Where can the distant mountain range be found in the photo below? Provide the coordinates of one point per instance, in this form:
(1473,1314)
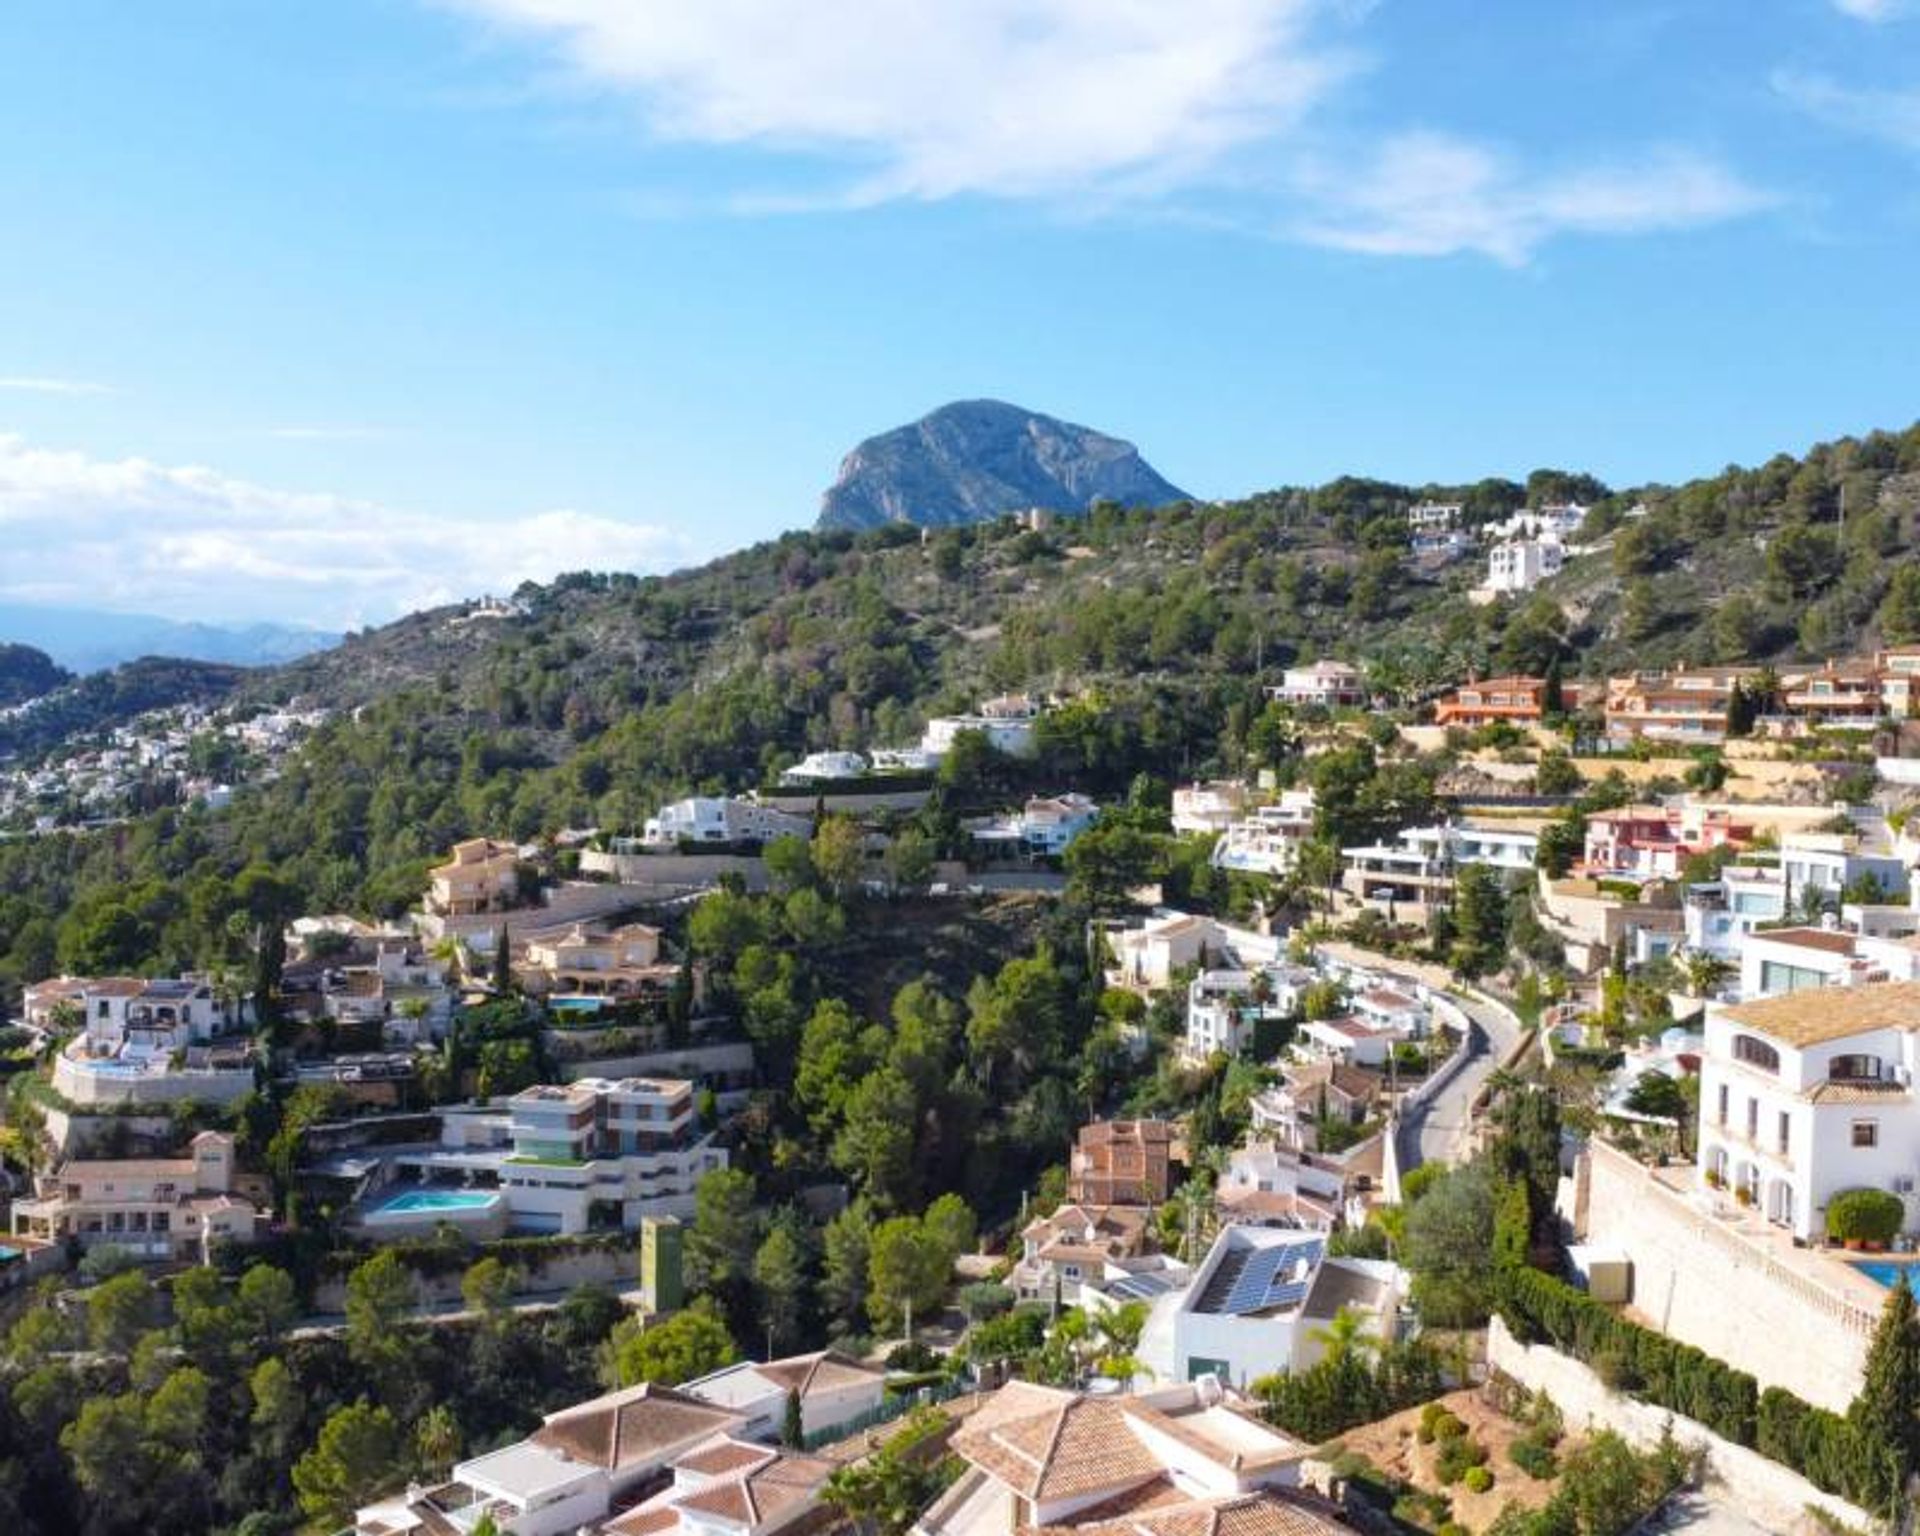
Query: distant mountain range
(87,640)
(976,460)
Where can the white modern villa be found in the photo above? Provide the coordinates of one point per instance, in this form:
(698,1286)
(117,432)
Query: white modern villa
(554,1158)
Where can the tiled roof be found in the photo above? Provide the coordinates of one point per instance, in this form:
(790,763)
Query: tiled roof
(762,1494)
(724,1456)
(635,1425)
(646,1520)
(1814,1015)
(1066,1445)
(1251,1514)
(1826,939)
(826,1371)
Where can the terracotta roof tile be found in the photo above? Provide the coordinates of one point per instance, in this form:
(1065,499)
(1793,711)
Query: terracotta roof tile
(636,1425)
(1815,1015)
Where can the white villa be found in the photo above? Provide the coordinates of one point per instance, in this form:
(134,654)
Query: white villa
(1417,871)
(1042,828)
(1225,1006)
(144,1042)
(834,1390)
(1267,841)
(1210,807)
(1007,723)
(1147,956)
(1328,684)
(1810,1093)
(1255,1303)
(825,767)
(722,819)
(1521,564)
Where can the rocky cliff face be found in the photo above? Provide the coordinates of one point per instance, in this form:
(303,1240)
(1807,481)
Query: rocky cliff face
(975,460)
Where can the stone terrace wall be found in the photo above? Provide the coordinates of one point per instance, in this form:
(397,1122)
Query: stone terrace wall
(1707,1286)
(1772,1496)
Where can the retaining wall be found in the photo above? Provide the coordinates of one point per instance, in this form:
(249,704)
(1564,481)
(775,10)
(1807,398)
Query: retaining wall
(1772,1496)
(1706,1285)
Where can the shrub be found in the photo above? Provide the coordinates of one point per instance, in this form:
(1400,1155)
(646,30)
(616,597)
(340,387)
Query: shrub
(1864,1215)
(1477,1479)
(1534,1458)
(1457,1456)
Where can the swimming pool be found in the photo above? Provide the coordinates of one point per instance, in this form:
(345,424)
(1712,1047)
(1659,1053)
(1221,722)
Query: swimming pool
(415,1201)
(1883,1271)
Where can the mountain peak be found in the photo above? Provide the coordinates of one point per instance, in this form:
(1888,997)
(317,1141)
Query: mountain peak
(973,460)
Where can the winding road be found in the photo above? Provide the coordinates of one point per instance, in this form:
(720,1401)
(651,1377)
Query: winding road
(1436,1131)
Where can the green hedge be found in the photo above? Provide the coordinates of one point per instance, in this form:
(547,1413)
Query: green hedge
(1823,1447)
(1865,1215)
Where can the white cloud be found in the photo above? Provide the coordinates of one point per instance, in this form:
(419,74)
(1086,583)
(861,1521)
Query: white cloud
(1893,116)
(936,98)
(1107,103)
(1871,10)
(29,385)
(185,541)
(1432,194)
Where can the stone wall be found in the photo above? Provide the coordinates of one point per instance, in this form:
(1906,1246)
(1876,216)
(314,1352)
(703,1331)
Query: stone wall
(1772,1496)
(1705,1284)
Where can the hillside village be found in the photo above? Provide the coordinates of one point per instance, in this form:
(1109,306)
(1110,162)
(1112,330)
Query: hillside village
(1458,1017)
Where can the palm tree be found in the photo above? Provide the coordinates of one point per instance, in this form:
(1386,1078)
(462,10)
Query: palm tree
(1345,1336)
(437,1438)
(1704,972)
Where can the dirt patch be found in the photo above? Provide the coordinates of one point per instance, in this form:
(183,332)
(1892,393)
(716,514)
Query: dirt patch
(1393,1446)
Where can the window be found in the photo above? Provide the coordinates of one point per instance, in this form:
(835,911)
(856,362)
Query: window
(1866,1133)
(1722,1116)
(1756,1053)
(1786,1129)
(1753,1119)
(1855,1067)
(1070,1271)
(1775,977)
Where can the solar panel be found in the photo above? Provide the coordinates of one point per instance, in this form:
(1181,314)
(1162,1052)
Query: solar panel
(1273,1277)
(1141,1287)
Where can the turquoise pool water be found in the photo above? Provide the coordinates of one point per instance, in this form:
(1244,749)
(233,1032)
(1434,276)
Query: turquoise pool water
(1884,1271)
(416,1200)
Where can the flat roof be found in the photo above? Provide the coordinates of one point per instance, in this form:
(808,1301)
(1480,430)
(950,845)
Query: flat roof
(524,1470)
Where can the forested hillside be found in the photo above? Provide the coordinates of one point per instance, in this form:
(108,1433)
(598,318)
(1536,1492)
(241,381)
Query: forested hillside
(604,694)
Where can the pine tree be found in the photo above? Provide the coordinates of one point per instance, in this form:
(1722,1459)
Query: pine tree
(1887,1411)
(793,1427)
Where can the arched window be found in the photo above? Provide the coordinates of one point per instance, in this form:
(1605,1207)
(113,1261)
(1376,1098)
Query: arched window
(1756,1053)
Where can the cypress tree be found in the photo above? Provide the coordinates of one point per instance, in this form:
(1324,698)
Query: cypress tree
(1887,1411)
(502,962)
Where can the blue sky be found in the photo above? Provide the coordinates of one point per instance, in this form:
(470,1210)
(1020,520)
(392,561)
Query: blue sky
(320,312)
